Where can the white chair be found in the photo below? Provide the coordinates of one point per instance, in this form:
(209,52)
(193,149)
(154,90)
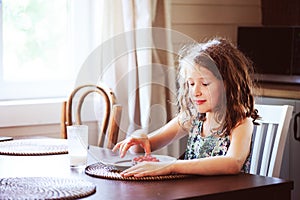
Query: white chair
(269,139)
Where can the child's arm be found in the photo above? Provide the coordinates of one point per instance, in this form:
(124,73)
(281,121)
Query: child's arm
(229,164)
(155,140)
(166,134)
(232,163)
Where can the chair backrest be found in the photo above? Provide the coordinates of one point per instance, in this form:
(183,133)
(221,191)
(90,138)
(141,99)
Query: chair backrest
(269,139)
(109,130)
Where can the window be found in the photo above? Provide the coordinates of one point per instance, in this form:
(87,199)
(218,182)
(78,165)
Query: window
(44,45)
(37,56)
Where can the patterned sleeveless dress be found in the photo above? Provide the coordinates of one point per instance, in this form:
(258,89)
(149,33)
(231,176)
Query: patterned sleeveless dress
(212,145)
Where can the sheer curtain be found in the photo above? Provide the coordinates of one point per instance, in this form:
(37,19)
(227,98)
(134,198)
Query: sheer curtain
(135,59)
(151,83)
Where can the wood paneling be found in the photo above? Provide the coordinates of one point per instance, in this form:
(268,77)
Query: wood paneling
(215,14)
(203,31)
(202,19)
(218,2)
(281,12)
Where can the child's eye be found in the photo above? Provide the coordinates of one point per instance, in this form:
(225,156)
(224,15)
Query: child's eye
(205,84)
(191,83)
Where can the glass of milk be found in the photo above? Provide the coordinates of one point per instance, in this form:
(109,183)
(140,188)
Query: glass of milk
(77,137)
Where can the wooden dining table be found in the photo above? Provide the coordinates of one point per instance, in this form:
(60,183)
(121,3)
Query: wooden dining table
(240,186)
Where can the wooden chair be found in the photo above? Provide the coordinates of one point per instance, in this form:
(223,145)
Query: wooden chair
(269,139)
(109,130)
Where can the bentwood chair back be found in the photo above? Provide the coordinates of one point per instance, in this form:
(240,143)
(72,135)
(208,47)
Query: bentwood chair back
(269,139)
(109,129)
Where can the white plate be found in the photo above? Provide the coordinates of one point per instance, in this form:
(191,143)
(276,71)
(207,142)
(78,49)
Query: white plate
(124,163)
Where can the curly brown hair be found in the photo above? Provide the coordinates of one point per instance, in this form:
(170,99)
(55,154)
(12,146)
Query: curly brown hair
(231,66)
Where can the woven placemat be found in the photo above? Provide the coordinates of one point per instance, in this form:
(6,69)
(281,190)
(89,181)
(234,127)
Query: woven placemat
(45,188)
(100,170)
(32,147)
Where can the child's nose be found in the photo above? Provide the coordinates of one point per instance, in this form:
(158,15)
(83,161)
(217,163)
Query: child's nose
(197,90)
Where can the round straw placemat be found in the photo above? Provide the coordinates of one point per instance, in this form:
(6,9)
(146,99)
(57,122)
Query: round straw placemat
(32,147)
(45,188)
(100,170)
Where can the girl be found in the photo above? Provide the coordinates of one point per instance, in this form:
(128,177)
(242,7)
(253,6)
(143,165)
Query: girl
(216,110)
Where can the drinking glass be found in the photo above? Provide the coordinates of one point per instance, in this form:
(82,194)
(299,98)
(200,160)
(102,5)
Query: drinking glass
(77,137)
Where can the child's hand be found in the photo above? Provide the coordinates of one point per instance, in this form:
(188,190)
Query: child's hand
(137,138)
(149,169)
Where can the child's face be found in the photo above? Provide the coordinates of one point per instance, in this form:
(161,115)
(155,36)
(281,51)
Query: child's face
(205,89)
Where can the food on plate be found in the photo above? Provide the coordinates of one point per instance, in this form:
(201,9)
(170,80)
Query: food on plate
(142,158)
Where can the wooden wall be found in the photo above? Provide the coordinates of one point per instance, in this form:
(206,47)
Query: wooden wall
(202,19)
